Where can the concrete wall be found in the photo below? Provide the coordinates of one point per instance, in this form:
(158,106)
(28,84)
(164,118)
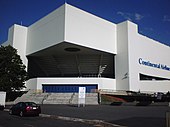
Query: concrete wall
(46,32)
(17,37)
(31,84)
(131,46)
(85,29)
(121,58)
(103,83)
(148,50)
(73,25)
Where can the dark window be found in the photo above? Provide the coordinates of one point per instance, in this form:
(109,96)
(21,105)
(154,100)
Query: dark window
(149,77)
(30,104)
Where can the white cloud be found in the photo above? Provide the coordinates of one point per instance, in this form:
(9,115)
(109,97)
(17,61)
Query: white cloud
(125,15)
(131,16)
(138,16)
(120,13)
(166,18)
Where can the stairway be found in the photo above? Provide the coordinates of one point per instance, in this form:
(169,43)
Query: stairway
(33,96)
(91,99)
(57,98)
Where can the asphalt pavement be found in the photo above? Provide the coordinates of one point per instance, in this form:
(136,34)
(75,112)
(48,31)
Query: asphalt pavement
(109,116)
(130,116)
(7,120)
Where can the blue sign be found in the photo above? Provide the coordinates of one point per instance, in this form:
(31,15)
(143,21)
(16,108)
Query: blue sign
(155,65)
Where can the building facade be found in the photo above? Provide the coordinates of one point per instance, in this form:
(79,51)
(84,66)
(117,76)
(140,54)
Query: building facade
(70,48)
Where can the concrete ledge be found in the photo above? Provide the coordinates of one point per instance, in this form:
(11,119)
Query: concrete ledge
(93,122)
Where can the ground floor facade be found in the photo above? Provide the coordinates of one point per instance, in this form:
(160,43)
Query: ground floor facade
(70,85)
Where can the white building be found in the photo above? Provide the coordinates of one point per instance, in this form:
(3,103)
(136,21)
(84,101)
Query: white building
(70,48)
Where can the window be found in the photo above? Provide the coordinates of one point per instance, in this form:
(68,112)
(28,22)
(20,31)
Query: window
(149,77)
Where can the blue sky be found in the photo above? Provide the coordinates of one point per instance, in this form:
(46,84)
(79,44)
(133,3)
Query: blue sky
(152,16)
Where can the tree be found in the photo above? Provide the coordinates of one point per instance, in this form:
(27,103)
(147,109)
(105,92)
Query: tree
(12,71)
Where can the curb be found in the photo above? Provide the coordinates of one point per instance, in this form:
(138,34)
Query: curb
(6,110)
(99,123)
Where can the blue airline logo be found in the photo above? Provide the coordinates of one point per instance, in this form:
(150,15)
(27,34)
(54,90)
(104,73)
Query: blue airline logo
(155,65)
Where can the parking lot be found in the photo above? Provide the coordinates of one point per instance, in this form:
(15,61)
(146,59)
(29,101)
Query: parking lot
(129,116)
(7,120)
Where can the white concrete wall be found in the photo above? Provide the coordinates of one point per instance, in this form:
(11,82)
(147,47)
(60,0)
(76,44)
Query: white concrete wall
(149,50)
(46,32)
(132,52)
(20,41)
(108,84)
(154,86)
(131,46)
(121,58)
(103,83)
(85,29)
(73,25)
(31,84)
(17,37)
(2,98)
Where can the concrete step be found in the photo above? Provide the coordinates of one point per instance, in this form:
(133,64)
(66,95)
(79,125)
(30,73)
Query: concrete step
(34,97)
(56,98)
(91,98)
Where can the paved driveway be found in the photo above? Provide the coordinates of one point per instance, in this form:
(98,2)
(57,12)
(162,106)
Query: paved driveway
(131,116)
(7,120)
